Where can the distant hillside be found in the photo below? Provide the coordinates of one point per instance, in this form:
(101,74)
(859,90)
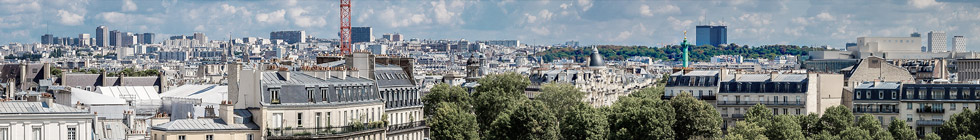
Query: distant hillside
(676,52)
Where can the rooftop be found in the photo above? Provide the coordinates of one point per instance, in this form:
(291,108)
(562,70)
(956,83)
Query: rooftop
(19,107)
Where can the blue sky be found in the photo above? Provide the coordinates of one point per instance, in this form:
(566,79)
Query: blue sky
(621,22)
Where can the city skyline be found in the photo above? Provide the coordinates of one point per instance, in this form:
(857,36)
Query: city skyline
(647,23)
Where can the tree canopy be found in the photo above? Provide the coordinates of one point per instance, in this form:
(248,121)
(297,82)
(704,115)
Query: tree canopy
(633,118)
(695,118)
(450,121)
(446,93)
(531,120)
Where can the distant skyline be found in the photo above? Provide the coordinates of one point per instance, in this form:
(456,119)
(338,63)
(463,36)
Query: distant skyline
(621,22)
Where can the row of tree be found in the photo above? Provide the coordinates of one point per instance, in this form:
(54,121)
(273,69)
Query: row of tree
(499,109)
(676,52)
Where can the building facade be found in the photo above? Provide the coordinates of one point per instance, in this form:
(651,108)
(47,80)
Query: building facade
(959,44)
(927,106)
(361,34)
(291,37)
(711,35)
(102,36)
(880,99)
(44,121)
(937,41)
(968,69)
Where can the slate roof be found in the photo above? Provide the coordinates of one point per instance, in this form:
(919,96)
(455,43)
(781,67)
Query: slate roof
(880,85)
(391,76)
(204,124)
(18,107)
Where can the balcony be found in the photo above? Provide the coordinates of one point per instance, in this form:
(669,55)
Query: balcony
(875,111)
(325,132)
(768,103)
(929,122)
(706,97)
(404,126)
(930,110)
(738,115)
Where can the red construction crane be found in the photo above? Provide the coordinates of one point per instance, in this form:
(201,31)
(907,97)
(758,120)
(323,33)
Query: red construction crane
(345,44)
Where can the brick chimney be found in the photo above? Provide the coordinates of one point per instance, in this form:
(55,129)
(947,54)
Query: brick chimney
(227,112)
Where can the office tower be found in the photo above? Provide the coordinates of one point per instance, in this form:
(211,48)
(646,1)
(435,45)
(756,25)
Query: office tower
(396,37)
(959,44)
(128,39)
(291,37)
(101,36)
(47,39)
(711,35)
(147,38)
(386,36)
(361,34)
(937,41)
(115,38)
(200,38)
(83,40)
(916,34)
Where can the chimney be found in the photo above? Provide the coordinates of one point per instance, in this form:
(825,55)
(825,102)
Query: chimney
(47,70)
(23,76)
(772,75)
(227,112)
(284,75)
(162,79)
(233,70)
(120,79)
(105,78)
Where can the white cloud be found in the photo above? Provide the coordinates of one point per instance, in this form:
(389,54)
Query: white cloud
(541,30)
(305,21)
(585,4)
(923,3)
(128,5)
(277,16)
(21,7)
(679,24)
(622,36)
(543,15)
(442,15)
(200,28)
(646,10)
(756,19)
(825,16)
(68,18)
(801,21)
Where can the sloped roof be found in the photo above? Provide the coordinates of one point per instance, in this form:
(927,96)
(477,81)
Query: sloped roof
(207,93)
(18,107)
(92,98)
(203,124)
(131,92)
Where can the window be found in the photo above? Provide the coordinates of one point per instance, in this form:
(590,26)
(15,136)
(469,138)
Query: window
(908,94)
(318,119)
(785,99)
(209,137)
(328,119)
(894,95)
(72,133)
(909,106)
(181,137)
(908,117)
(299,119)
(277,120)
(953,93)
(248,136)
(952,106)
(785,110)
(37,133)
(4,133)
(798,111)
(310,95)
(323,94)
(797,99)
(881,95)
(274,93)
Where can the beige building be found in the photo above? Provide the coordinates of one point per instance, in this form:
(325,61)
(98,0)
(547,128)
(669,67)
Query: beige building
(44,120)
(793,94)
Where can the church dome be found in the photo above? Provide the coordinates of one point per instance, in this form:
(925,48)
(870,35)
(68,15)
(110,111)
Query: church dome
(596,59)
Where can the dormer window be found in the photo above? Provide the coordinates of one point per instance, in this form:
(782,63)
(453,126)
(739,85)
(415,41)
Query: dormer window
(274,94)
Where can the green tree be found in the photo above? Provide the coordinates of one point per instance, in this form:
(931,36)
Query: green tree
(584,123)
(959,124)
(759,114)
(901,131)
(932,136)
(497,93)
(748,131)
(854,133)
(445,93)
(873,126)
(825,135)
(641,118)
(530,120)
(450,121)
(810,124)
(695,118)
(784,127)
(560,97)
(836,119)
(655,92)
(966,137)
(56,72)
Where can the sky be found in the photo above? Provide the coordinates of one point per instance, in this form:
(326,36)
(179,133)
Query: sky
(611,22)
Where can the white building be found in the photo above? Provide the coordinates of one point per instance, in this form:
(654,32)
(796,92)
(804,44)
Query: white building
(888,44)
(44,121)
(937,41)
(959,44)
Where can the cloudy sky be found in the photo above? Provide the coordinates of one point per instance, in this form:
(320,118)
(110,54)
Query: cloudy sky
(621,22)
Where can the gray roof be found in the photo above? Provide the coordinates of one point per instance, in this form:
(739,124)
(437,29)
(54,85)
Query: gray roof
(18,107)
(391,76)
(299,78)
(204,124)
(596,59)
(878,85)
(789,78)
(92,98)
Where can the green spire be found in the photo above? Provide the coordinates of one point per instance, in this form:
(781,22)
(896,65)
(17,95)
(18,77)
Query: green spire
(686,51)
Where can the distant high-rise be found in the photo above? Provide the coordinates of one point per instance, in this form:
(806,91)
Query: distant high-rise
(361,34)
(47,39)
(937,41)
(201,38)
(147,38)
(83,40)
(916,34)
(115,38)
(397,37)
(101,36)
(386,36)
(291,37)
(959,44)
(712,35)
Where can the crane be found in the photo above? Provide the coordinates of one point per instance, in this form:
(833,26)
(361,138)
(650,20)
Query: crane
(345,43)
